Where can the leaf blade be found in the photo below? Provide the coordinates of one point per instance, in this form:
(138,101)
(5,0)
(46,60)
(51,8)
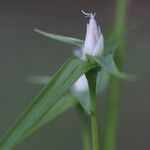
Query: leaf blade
(63,105)
(107,63)
(48,97)
(60,38)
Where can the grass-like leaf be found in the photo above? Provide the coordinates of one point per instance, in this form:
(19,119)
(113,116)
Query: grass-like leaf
(107,63)
(83,98)
(63,105)
(45,101)
(110,45)
(60,38)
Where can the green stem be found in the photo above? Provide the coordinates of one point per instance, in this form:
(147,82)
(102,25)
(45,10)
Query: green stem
(86,131)
(92,78)
(110,131)
(112,105)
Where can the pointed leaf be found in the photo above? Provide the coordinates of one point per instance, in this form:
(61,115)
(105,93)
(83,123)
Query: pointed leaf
(110,45)
(107,63)
(82,98)
(60,38)
(45,100)
(63,105)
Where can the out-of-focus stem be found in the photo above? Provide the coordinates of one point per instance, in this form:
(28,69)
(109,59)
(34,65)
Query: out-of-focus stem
(112,104)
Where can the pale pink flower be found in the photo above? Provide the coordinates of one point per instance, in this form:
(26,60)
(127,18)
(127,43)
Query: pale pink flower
(94,41)
(93,45)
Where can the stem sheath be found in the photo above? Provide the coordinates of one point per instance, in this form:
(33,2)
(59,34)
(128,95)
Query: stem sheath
(92,78)
(86,131)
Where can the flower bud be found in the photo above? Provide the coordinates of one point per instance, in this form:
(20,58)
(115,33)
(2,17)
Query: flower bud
(81,85)
(94,42)
(93,45)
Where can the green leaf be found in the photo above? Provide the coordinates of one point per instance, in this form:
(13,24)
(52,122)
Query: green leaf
(60,38)
(110,45)
(45,100)
(63,105)
(82,98)
(107,63)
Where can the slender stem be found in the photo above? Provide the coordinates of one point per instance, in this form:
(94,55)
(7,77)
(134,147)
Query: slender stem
(92,78)
(86,132)
(112,105)
(110,131)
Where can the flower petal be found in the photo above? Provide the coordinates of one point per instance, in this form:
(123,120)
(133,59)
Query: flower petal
(98,50)
(81,85)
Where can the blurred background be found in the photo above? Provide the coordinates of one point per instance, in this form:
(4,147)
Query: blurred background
(24,52)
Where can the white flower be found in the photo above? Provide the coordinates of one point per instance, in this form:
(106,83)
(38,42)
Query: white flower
(81,85)
(94,41)
(93,45)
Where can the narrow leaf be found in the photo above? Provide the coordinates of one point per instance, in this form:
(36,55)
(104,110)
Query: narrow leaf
(60,38)
(107,63)
(82,98)
(110,45)
(63,105)
(45,100)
